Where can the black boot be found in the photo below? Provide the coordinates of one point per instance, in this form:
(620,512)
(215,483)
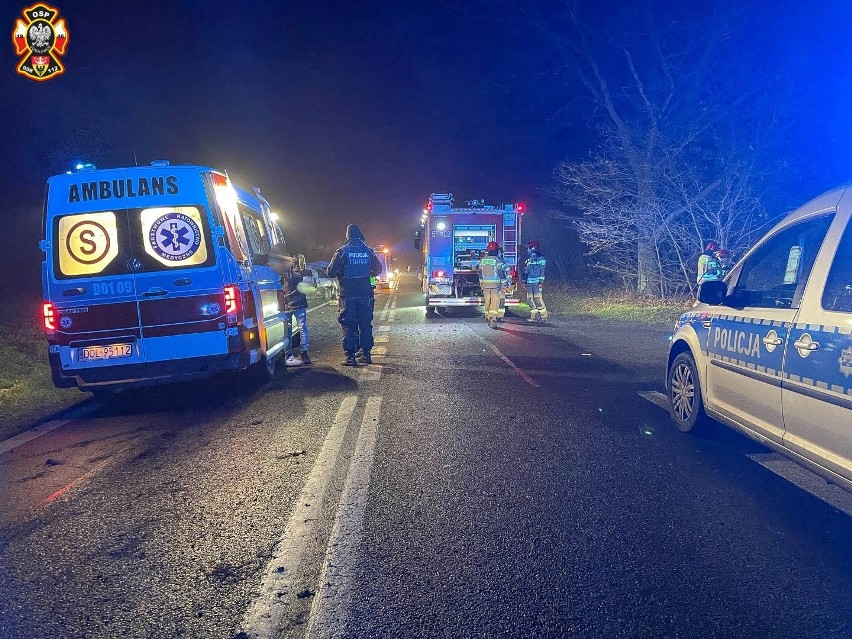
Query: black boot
(350,359)
(306,359)
(365,358)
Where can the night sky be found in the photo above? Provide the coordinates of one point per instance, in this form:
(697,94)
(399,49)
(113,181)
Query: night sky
(355,111)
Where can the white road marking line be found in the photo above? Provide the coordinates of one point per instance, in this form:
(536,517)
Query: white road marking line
(392,316)
(379,350)
(46,427)
(529,380)
(263,617)
(383,329)
(806,480)
(381,339)
(320,306)
(329,609)
(371,373)
(393,304)
(655,397)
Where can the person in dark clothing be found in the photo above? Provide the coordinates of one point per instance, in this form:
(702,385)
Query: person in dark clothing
(297,304)
(353,264)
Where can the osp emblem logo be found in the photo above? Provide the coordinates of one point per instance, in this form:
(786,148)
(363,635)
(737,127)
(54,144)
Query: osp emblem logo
(41,37)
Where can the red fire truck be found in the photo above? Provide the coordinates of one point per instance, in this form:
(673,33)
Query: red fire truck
(454,239)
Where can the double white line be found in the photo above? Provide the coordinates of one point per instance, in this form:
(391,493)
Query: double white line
(265,616)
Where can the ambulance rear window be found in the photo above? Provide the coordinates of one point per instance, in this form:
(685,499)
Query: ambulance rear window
(128,241)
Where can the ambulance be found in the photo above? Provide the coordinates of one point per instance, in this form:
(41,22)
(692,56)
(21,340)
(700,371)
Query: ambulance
(159,273)
(768,351)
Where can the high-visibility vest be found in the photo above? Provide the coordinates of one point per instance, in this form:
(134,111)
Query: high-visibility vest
(492,272)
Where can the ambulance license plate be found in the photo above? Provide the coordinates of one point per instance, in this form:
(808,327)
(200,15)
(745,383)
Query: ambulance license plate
(108,351)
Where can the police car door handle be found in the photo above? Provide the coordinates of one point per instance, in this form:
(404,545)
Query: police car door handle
(806,345)
(154,292)
(772,341)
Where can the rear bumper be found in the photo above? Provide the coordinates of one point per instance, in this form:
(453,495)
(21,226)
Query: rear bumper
(466,301)
(144,374)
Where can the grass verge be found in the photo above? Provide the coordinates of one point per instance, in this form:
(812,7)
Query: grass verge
(27,393)
(566,301)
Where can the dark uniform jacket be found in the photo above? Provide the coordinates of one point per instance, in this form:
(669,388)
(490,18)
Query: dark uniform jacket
(295,298)
(353,264)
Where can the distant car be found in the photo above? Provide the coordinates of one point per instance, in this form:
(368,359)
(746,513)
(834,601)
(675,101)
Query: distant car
(769,350)
(326,287)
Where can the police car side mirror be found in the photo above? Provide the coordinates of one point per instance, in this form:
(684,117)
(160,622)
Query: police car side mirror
(712,293)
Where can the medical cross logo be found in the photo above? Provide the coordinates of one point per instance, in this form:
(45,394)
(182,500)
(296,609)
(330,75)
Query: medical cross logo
(175,237)
(40,36)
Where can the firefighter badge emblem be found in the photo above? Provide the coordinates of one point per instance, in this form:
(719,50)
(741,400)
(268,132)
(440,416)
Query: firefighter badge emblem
(40,37)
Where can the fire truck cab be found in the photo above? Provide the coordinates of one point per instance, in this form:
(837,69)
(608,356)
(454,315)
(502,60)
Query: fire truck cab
(454,239)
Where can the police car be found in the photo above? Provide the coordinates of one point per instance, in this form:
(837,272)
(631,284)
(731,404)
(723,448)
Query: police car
(158,273)
(769,350)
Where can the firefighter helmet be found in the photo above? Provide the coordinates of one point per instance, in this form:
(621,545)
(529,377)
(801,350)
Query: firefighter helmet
(712,245)
(533,244)
(492,246)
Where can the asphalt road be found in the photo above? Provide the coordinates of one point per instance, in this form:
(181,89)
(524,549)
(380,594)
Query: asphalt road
(473,483)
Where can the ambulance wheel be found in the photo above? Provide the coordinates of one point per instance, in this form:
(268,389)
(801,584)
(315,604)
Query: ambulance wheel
(430,311)
(265,368)
(686,404)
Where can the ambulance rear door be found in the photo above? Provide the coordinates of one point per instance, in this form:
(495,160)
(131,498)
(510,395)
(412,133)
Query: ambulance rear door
(179,282)
(88,277)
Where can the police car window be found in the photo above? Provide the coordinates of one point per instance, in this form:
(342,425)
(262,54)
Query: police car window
(774,275)
(256,232)
(837,295)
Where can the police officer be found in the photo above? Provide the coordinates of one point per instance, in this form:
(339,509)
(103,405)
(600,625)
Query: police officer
(708,264)
(492,273)
(353,264)
(534,280)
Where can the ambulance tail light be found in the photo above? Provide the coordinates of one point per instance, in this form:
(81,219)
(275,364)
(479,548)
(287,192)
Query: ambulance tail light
(49,317)
(232,304)
(439,274)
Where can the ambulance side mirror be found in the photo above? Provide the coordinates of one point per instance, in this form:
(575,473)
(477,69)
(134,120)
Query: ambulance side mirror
(712,293)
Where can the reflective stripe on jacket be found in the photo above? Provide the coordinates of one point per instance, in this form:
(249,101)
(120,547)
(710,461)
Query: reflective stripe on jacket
(492,272)
(534,270)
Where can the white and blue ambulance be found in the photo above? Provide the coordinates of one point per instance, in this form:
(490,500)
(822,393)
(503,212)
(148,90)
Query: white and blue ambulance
(769,350)
(159,273)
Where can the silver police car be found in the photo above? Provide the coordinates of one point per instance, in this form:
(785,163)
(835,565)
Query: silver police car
(769,350)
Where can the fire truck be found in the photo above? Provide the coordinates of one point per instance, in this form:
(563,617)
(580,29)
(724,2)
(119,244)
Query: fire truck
(454,239)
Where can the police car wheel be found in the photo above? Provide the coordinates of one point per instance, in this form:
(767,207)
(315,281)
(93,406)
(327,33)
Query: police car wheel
(685,402)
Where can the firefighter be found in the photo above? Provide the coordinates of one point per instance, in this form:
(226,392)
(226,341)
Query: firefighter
(504,289)
(708,263)
(492,272)
(724,257)
(534,280)
(354,264)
